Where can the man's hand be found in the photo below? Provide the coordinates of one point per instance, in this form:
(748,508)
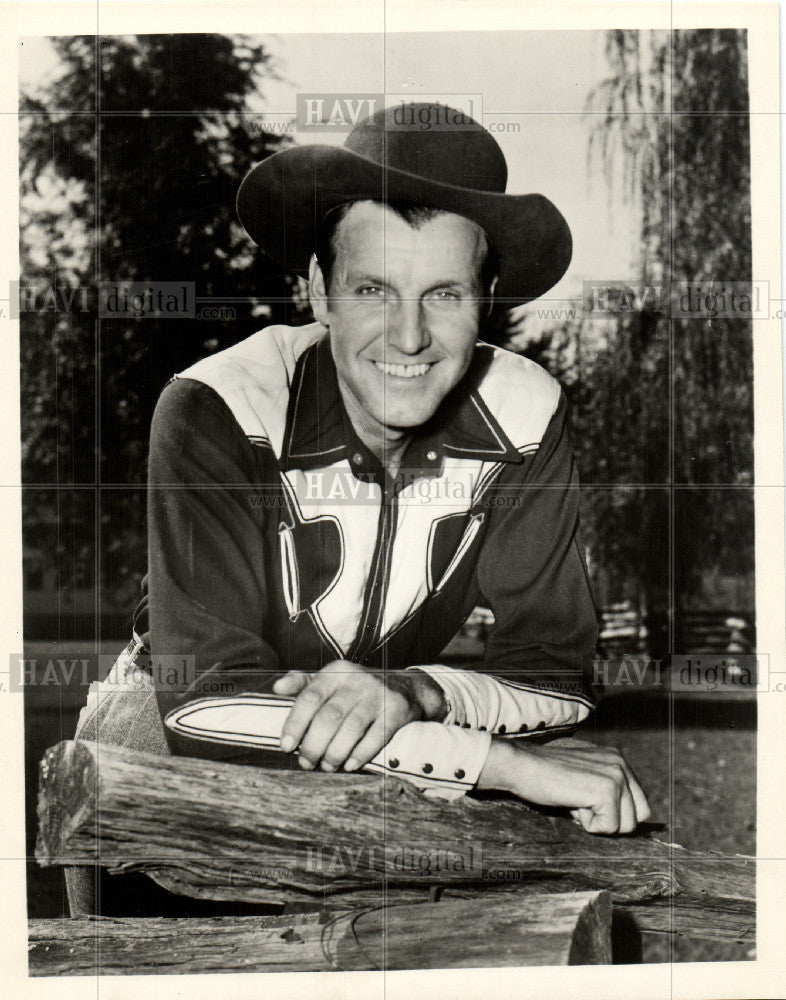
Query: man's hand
(345,714)
(595,783)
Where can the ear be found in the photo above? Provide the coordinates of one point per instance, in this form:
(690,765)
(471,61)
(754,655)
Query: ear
(492,289)
(317,294)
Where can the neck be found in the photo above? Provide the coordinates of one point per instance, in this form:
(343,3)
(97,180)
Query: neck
(390,453)
(387,443)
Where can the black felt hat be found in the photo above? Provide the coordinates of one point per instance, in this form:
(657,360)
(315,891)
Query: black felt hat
(457,166)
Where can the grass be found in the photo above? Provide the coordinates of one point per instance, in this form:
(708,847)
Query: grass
(699,774)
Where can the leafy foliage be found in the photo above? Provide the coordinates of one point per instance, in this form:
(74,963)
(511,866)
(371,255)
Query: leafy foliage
(662,402)
(129,170)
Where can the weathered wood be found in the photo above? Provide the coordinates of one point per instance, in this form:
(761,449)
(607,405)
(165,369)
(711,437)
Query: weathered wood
(694,921)
(227,832)
(564,929)
(654,916)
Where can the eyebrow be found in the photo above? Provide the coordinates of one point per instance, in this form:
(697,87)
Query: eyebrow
(362,276)
(447,284)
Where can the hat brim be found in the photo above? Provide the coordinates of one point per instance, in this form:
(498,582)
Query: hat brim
(283,199)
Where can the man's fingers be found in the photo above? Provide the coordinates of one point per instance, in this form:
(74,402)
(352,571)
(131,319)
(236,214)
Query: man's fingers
(351,731)
(611,803)
(369,746)
(324,726)
(595,784)
(641,808)
(291,684)
(633,807)
(594,788)
(311,695)
(641,805)
(343,715)
(582,816)
(604,801)
(627,810)
(302,712)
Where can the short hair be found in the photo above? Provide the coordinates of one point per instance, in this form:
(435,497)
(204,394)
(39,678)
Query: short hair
(414,215)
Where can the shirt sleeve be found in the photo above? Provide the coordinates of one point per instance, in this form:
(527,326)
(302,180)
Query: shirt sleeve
(444,762)
(537,674)
(206,559)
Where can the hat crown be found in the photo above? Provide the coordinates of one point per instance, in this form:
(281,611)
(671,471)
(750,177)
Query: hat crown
(434,141)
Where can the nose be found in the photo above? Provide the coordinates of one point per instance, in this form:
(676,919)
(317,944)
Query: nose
(408,328)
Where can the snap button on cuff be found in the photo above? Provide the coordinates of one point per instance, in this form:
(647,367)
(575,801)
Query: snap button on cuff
(459,774)
(428,768)
(393,762)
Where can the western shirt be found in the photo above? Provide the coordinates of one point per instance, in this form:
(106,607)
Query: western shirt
(277,542)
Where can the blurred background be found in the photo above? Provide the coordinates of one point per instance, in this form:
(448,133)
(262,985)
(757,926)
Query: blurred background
(131,152)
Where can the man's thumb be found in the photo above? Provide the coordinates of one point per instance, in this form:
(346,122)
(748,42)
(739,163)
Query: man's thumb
(291,683)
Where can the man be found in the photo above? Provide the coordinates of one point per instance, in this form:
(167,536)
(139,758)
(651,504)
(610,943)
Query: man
(328,503)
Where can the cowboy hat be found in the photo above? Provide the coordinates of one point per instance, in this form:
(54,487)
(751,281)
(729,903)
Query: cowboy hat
(457,169)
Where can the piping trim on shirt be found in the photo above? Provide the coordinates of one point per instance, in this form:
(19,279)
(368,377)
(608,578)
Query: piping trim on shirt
(269,713)
(296,515)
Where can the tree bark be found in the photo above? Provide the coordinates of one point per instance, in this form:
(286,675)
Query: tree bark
(227,832)
(558,929)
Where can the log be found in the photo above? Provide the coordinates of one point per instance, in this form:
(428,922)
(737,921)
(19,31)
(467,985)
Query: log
(563,929)
(228,832)
(654,917)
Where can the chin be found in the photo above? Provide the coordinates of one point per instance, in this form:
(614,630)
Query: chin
(407,418)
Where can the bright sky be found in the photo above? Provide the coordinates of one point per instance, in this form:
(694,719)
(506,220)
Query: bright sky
(538,80)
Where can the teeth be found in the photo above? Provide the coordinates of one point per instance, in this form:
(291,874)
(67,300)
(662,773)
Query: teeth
(402,371)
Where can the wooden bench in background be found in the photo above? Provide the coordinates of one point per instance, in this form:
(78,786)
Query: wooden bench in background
(546,892)
(624,631)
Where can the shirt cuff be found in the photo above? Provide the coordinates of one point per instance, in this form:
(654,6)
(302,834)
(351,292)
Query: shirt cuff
(442,761)
(505,708)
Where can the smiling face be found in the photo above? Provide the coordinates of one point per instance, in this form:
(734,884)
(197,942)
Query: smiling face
(404,308)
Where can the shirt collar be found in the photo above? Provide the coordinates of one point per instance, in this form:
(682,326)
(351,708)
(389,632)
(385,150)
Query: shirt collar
(318,431)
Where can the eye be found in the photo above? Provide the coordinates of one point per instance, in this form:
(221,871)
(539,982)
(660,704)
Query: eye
(371,291)
(446,295)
